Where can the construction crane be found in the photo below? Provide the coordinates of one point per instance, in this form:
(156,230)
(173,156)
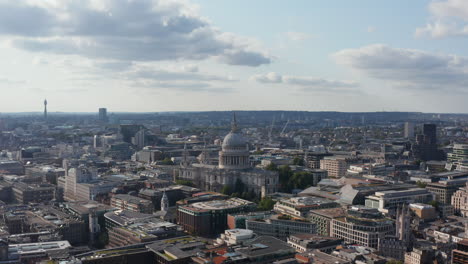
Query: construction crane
(284,128)
(270,132)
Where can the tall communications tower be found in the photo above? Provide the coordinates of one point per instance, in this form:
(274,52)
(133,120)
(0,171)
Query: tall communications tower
(45,109)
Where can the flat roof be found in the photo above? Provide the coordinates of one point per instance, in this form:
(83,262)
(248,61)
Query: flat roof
(220,204)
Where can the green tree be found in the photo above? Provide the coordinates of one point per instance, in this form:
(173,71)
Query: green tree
(185,182)
(285,173)
(421,184)
(266,204)
(226,190)
(239,187)
(167,161)
(434,203)
(298,161)
(300,180)
(271,167)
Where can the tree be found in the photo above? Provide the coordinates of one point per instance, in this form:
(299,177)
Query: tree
(226,190)
(298,161)
(266,204)
(185,182)
(239,187)
(271,167)
(300,180)
(434,203)
(421,184)
(167,161)
(285,173)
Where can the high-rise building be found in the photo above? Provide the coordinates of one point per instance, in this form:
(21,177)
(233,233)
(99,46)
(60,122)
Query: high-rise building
(430,133)
(103,115)
(425,147)
(409,130)
(140,139)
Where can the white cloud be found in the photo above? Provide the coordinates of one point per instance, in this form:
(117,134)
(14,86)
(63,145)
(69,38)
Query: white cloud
(143,30)
(305,82)
(298,36)
(449,18)
(408,68)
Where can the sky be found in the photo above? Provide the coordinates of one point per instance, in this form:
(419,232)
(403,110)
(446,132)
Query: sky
(201,55)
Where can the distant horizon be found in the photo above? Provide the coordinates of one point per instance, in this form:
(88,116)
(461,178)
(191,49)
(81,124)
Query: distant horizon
(206,111)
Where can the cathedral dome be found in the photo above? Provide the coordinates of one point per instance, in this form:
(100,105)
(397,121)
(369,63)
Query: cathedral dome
(234,140)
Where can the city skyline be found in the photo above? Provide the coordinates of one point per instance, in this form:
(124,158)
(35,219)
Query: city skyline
(194,56)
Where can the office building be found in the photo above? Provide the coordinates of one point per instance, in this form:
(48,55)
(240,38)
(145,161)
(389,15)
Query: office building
(309,242)
(33,193)
(11,167)
(236,221)
(409,130)
(280,226)
(132,203)
(389,201)
(209,218)
(459,201)
(300,207)
(336,167)
(425,147)
(362,226)
(443,190)
(103,115)
(232,237)
(143,231)
(460,254)
(322,219)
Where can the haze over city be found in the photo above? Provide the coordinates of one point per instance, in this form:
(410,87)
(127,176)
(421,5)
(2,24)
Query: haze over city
(198,55)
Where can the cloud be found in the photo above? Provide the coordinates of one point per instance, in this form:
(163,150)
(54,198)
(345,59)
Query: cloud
(185,86)
(449,18)
(298,36)
(143,30)
(371,29)
(8,81)
(171,75)
(304,82)
(408,68)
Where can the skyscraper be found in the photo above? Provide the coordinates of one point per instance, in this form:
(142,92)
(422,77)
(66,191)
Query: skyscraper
(45,109)
(430,133)
(103,115)
(409,130)
(425,147)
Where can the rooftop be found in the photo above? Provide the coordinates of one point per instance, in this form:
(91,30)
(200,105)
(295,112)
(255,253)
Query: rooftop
(221,204)
(266,245)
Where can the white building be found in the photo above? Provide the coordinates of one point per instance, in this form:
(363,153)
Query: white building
(389,200)
(233,237)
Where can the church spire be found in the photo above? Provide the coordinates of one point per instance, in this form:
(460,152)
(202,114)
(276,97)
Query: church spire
(164,202)
(234,123)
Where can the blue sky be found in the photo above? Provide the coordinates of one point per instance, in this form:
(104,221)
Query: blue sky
(171,55)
